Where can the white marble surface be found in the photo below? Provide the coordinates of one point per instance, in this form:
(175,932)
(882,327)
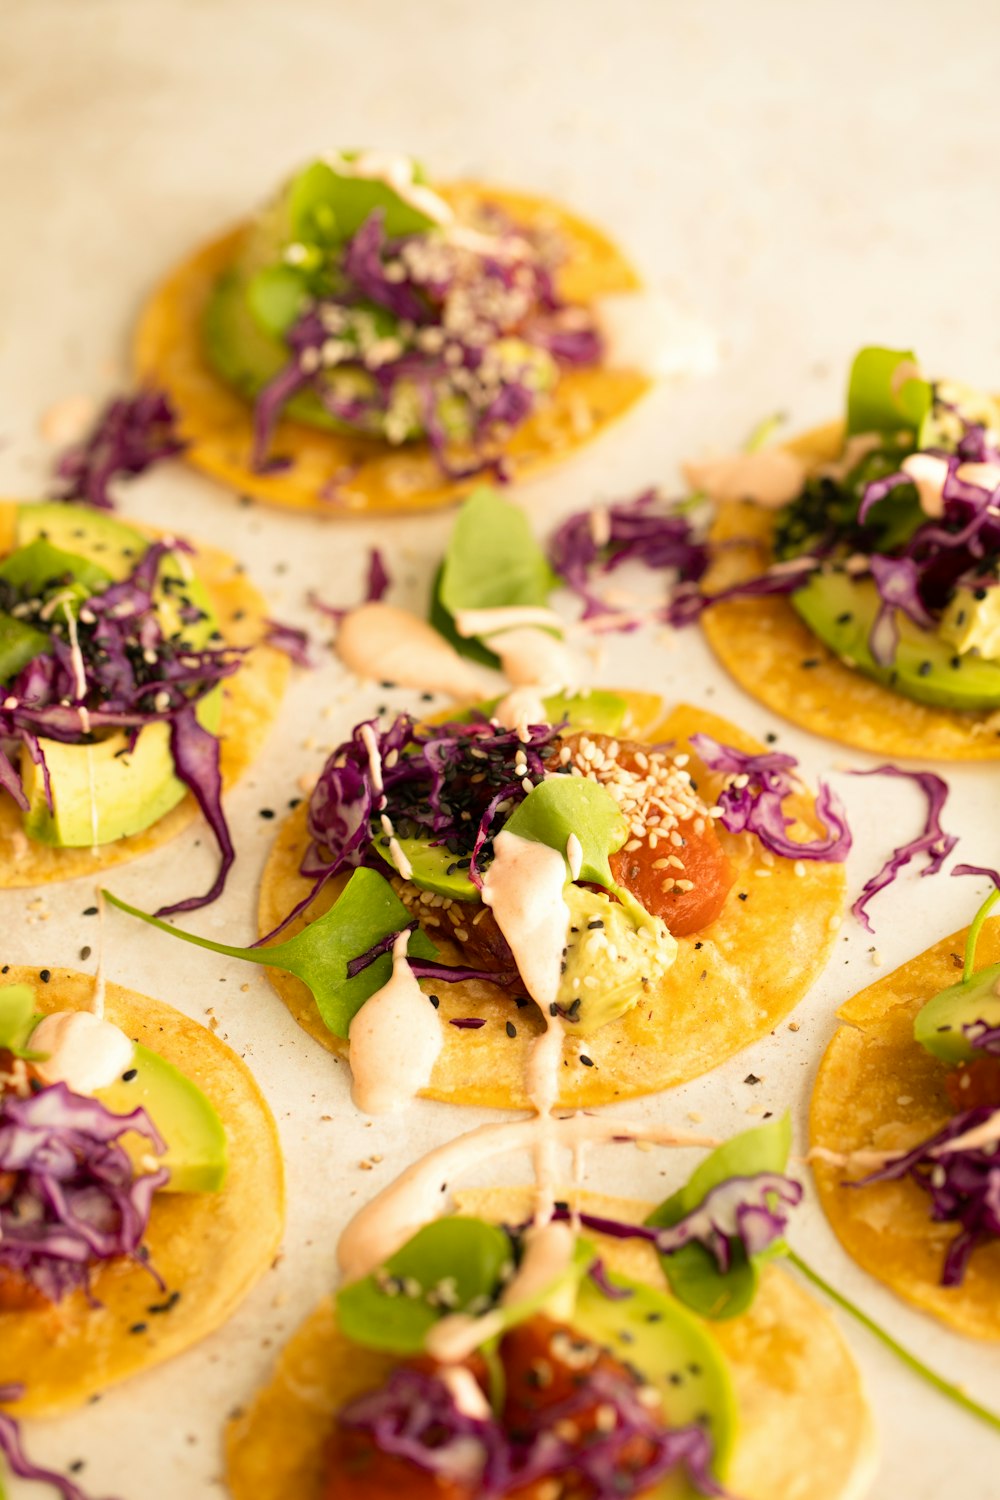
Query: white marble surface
(806,177)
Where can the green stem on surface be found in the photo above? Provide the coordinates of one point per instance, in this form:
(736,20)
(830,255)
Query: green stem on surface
(972,940)
(947,1389)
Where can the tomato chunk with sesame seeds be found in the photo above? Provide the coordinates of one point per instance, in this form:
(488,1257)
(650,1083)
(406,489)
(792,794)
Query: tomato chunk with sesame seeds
(358,1470)
(975,1084)
(684,876)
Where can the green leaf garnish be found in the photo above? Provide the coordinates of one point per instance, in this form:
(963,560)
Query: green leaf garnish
(492,562)
(458,1262)
(951,1392)
(692,1271)
(327,208)
(366,911)
(886,393)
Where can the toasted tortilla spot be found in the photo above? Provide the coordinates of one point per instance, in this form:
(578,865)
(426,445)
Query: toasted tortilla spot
(730,985)
(211,1247)
(763,643)
(334,474)
(872,1064)
(805,1424)
(251,700)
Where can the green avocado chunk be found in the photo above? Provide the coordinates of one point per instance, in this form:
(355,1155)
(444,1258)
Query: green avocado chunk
(940,1025)
(841,611)
(197,1155)
(676,1354)
(102,791)
(610,962)
(19,644)
(82,532)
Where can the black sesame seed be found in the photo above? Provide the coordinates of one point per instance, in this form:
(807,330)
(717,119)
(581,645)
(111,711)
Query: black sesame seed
(743,895)
(588,1062)
(751,1078)
(511,1029)
(85,952)
(699,944)
(771,737)
(593,926)
(139,1328)
(435,1000)
(810,661)
(267,812)
(925,669)
(45,975)
(166,1306)
(129,1075)
(845,618)
(90,911)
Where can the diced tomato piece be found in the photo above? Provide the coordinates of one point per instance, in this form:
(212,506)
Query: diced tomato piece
(975,1084)
(642,871)
(357,1470)
(17,1294)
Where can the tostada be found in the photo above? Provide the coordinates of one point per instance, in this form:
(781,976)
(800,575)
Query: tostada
(499,1352)
(134,686)
(882,535)
(367,340)
(905,1126)
(650,893)
(141,1186)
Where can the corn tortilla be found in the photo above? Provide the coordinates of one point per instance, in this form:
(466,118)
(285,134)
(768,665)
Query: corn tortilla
(805,1425)
(879,1088)
(210,1247)
(336,474)
(777,659)
(730,984)
(251,700)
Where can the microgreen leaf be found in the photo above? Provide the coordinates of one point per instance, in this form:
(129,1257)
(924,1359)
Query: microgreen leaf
(693,1273)
(886,392)
(492,562)
(459,1261)
(366,911)
(325,207)
(951,1392)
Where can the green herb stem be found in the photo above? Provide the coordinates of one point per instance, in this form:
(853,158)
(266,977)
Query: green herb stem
(952,1392)
(972,940)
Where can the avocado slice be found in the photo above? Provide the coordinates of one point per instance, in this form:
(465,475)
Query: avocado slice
(82,532)
(434,868)
(594,711)
(19,644)
(675,1353)
(940,1024)
(197,1153)
(841,611)
(34,568)
(103,792)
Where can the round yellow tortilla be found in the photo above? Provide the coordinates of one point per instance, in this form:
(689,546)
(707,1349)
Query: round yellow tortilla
(805,1425)
(336,474)
(209,1247)
(774,655)
(878,1088)
(251,700)
(730,985)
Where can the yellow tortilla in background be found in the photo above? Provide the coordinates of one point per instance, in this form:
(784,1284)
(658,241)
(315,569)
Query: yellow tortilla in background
(777,659)
(805,1425)
(356,472)
(251,700)
(879,1088)
(210,1247)
(730,984)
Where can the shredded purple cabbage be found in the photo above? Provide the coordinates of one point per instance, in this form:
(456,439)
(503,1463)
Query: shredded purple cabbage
(645,530)
(423,968)
(133,675)
(379,582)
(751,1211)
(454,307)
(933,842)
(414,1417)
(291,640)
(597,1271)
(752,801)
(468,1023)
(131,434)
(12,1451)
(983,1038)
(964,1187)
(897,580)
(72,1198)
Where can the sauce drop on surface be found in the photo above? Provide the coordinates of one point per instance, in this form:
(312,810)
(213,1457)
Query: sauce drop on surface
(394,1040)
(771,477)
(85,1052)
(389,644)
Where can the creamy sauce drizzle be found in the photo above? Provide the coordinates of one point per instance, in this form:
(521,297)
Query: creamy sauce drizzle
(86,1052)
(928,473)
(523,888)
(416,1197)
(519,710)
(770,477)
(394,645)
(469,622)
(394,1040)
(530,657)
(396,171)
(396,852)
